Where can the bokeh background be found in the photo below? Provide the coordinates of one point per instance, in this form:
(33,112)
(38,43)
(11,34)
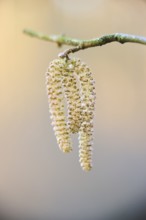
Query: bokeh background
(36,179)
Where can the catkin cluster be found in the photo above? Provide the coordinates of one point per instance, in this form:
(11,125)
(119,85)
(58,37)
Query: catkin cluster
(70,84)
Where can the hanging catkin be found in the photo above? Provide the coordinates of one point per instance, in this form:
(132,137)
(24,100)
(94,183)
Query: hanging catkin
(77,82)
(56,105)
(87,95)
(88,106)
(72,95)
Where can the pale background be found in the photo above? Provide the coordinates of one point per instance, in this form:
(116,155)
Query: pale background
(36,178)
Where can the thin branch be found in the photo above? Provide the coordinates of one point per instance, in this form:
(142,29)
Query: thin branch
(59,39)
(84,44)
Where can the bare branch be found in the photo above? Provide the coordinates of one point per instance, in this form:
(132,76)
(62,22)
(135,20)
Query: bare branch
(84,44)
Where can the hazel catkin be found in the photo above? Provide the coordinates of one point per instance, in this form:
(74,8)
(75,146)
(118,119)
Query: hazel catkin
(87,92)
(73,79)
(72,95)
(56,105)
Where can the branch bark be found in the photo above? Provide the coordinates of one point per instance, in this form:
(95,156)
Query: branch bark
(84,44)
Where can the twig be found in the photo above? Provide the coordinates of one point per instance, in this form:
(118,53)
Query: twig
(84,44)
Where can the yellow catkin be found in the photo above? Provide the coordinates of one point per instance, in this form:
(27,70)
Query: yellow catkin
(56,104)
(76,80)
(88,107)
(87,94)
(72,95)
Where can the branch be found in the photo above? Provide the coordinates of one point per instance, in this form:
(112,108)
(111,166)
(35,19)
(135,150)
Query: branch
(84,44)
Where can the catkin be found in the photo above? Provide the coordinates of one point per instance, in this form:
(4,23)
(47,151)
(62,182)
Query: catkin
(87,94)
(56,105)
(73,79)
(72,95)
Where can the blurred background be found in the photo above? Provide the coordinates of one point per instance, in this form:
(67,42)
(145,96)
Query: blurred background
(38,181)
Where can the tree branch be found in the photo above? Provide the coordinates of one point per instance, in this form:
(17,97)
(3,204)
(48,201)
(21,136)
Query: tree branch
(84,44)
